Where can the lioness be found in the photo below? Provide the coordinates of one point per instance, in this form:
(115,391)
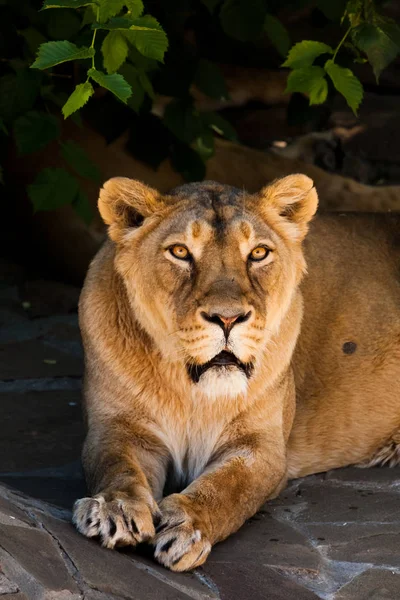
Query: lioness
(190,316)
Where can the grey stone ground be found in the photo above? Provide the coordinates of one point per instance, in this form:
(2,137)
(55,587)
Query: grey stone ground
(333,536)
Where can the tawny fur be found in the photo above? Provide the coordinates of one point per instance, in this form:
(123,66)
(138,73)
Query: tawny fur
(182,463)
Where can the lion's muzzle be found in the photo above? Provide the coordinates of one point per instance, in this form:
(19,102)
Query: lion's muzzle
(226,321)
(224,361)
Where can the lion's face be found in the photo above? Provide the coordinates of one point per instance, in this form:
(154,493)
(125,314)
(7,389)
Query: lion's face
(210,271)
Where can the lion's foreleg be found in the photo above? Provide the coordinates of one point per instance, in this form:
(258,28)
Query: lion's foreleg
(246,472)
(125,468)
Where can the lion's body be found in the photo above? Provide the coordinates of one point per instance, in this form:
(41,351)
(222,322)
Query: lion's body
(347,361)
(189,426)
(163,418)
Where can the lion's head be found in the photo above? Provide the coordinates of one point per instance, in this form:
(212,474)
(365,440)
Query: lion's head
(210,270)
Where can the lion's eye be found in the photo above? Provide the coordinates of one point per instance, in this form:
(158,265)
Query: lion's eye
(259,253)
(180,252)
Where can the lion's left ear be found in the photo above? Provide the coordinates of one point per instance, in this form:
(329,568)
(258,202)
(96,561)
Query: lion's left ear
(294,198)
(124,204)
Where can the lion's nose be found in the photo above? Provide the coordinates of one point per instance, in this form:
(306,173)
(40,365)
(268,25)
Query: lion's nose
(226,322)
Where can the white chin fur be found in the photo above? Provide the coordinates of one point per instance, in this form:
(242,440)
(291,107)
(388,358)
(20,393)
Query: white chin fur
(226,382)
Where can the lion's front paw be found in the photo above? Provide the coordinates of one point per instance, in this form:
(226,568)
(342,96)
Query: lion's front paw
(179,544)
(119,522)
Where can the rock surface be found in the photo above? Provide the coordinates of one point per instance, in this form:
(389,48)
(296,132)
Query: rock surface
(332,536)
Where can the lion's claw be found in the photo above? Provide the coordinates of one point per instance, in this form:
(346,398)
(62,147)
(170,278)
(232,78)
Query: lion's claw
(119,522)
(179,545)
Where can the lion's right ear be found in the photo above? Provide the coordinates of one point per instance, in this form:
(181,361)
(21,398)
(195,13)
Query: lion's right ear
(295,200)
(124,203)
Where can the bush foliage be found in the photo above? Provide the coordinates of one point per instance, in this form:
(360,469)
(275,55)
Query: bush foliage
(58,54)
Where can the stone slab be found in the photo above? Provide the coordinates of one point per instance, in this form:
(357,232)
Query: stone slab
(259,562)
(11,514)
(329,503)
(375,543)
(373,477)
(265,540)
(7,586)
(35,553)
(245,581)
(373,584)
(113,572)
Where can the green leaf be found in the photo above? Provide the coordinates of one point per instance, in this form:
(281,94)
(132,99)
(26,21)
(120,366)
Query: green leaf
(34,131)
(145,33)
(109,8)
(78,98)
(55,53)
(115,51)
(141,62)
(311,81)
(204,145)
(243,19)
(219,125)
(67,3)
(319,92)
(278,34)
(135,8)
(391,29)
(114,23)
(183,121)
(353,12)
(304,53)
(78,160)
(209,79)
(52,188)
(131,75)
(152,43)
(346,83)
(115,83)
(82,207)
(89,16)
(377,45)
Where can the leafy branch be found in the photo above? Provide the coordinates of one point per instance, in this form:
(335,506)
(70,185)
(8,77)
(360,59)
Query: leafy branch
(84,45)
(127,27)
(371,34)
